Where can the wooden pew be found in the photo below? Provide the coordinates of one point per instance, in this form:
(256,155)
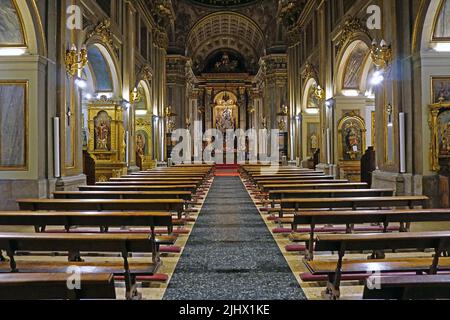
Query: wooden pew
(316,186)
(190,187)
(438,241)
(53,286)
(418,287)
(104,220)
(293,177)
(350,218)
(172,205)
(262,184)
(117,243)
(184,195)
(329,193)
(363,202)
(148,183)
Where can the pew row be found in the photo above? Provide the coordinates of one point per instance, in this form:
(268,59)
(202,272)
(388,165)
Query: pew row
(76,243)
(53,286)
(334,270)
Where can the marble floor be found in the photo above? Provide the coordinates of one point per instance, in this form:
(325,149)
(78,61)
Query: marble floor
(231,254)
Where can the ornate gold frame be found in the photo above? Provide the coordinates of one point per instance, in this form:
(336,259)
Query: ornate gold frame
(435,109)
(25,85)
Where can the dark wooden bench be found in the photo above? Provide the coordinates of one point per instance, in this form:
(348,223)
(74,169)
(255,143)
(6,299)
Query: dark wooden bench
(191,188)
(329,193)
(418,287)
(350,218)
(76,243)
(53,286)
(172,205)
(295,205)
(438,241)
(103,220)
(147,183)
(184,195)
(315,186)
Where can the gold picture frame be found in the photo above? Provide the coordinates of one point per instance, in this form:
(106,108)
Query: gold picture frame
(435,110)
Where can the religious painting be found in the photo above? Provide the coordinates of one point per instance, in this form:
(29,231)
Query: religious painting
(142,143)
(351,141)
(11,30)
(313,101)
(354,67)
(440,136)
(225,118)
(442,22)
(225,62)
(102,123)
(313,135)
(14,124)
(444,134)
(441,89)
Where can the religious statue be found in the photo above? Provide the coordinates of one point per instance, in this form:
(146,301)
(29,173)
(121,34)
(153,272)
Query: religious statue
(225,120)
(314,142)
(264,123)
(351,142)
(140,144)
(102,135)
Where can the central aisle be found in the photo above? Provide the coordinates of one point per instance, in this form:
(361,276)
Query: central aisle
(231,254)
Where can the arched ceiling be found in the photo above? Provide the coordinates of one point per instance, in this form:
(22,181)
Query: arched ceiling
(222,30)
(224,3)
(246,26)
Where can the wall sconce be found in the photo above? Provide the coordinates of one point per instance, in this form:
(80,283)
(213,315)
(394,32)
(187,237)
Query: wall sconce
(75,61)
(381,54)
(135,96)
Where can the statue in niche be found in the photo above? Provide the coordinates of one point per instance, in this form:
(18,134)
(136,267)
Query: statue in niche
(351,141)
(140,144)
(225,120)
(314,142)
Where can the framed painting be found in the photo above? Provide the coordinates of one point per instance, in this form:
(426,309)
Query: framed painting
(440,88)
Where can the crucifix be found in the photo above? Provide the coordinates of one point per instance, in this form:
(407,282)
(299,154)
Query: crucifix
(69,116)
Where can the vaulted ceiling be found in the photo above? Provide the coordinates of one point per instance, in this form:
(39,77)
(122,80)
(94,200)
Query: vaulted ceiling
(203,27)
(224,3)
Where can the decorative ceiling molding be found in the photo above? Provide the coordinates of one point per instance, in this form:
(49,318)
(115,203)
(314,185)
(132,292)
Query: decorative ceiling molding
(350,29)
(225,30)
(224,3)
(103,31)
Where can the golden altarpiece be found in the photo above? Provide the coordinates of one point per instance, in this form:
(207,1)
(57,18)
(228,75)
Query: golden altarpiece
(351,145)
(107,139)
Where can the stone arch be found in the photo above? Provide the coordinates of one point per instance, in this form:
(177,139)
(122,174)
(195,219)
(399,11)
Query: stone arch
(311,82)
(360,41)
(112,63)
(25,15)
